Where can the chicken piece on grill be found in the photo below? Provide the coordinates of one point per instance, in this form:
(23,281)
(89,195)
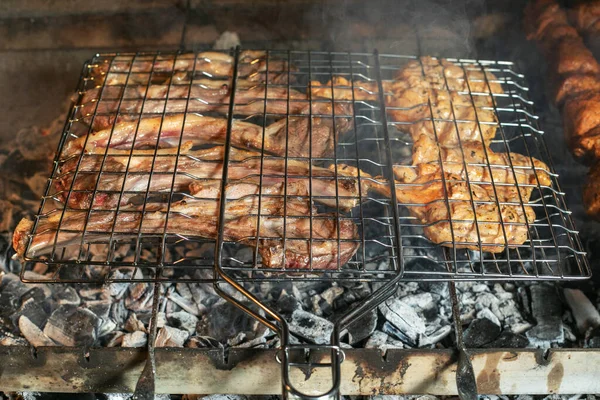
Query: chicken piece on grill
(138,173)
(436,97)
(448,111)
(296,136)
(591,192)
(283,234)
(463,214)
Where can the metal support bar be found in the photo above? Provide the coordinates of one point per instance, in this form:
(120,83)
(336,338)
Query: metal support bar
(253,371)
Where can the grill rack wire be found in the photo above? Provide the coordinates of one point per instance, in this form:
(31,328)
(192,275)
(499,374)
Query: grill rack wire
(392,243)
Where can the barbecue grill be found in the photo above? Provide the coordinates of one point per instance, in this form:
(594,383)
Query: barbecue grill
(392,243)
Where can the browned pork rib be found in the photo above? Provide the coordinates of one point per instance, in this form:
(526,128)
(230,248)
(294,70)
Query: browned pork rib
(252,65)
(283,232)
(135,101)
(293,136)
(204,169)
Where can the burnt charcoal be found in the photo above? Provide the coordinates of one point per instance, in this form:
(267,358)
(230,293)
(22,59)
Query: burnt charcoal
(72,326)
(287,304)
(592,339)
(183,320)
(112,339)
(142,303)
(133,324)
(439,288)
(91,292)
(105,327)
(508,340)
(137,290)
(36,313)
(171,337)
(100,307)
(135,339)
(420,301)
(71,272)
(186,303)
(362,328)
(487,314)
(64,294)
(203,342)
(396,333)
(376,340)
(7,263)
(584,312)
(331,294)
(118,313)
(224,321)
(11,292)
(33,333)
(311,327)
(403,317)
(547,310)
(480,332)
(435,336)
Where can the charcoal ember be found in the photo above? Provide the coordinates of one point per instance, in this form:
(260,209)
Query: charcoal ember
(363,327)
(508,340)
(311,327)
(33,333)
(569,335)
(420,301)
(105,327)
(253,343)
(547,310)
(397,334)
(331,294)
(224,321)
(288,303)
(134,339)
(377,340)
(183,320)
(403,317)
(137,290)
(480,332)
(118,312)
(100,307)
(204,296)
(70,325)
(584,312)
(143,303)
(171,337)
(436,336)
(133,324)
(11,292)
(186,303)
(35,312)
(439,288)
(203,342)
(487,314)
(64,294)
(113,339)
(92,293)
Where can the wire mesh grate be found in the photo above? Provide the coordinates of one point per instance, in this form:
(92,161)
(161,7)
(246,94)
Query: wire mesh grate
(314,182)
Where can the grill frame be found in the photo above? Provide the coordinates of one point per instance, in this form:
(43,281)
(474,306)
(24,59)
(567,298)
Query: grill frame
(159,270)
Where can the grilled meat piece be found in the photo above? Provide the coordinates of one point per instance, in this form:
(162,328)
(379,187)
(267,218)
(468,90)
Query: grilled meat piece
(448,111)
(140,101)
(290,136)
(283,234)
(585,16)
(591,192)
(202,168)
(581,118)
(252,66)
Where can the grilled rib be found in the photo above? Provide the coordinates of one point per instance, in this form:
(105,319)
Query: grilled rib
(298,136)
(99,106)
(252,65)
(204,167)
(284,231)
